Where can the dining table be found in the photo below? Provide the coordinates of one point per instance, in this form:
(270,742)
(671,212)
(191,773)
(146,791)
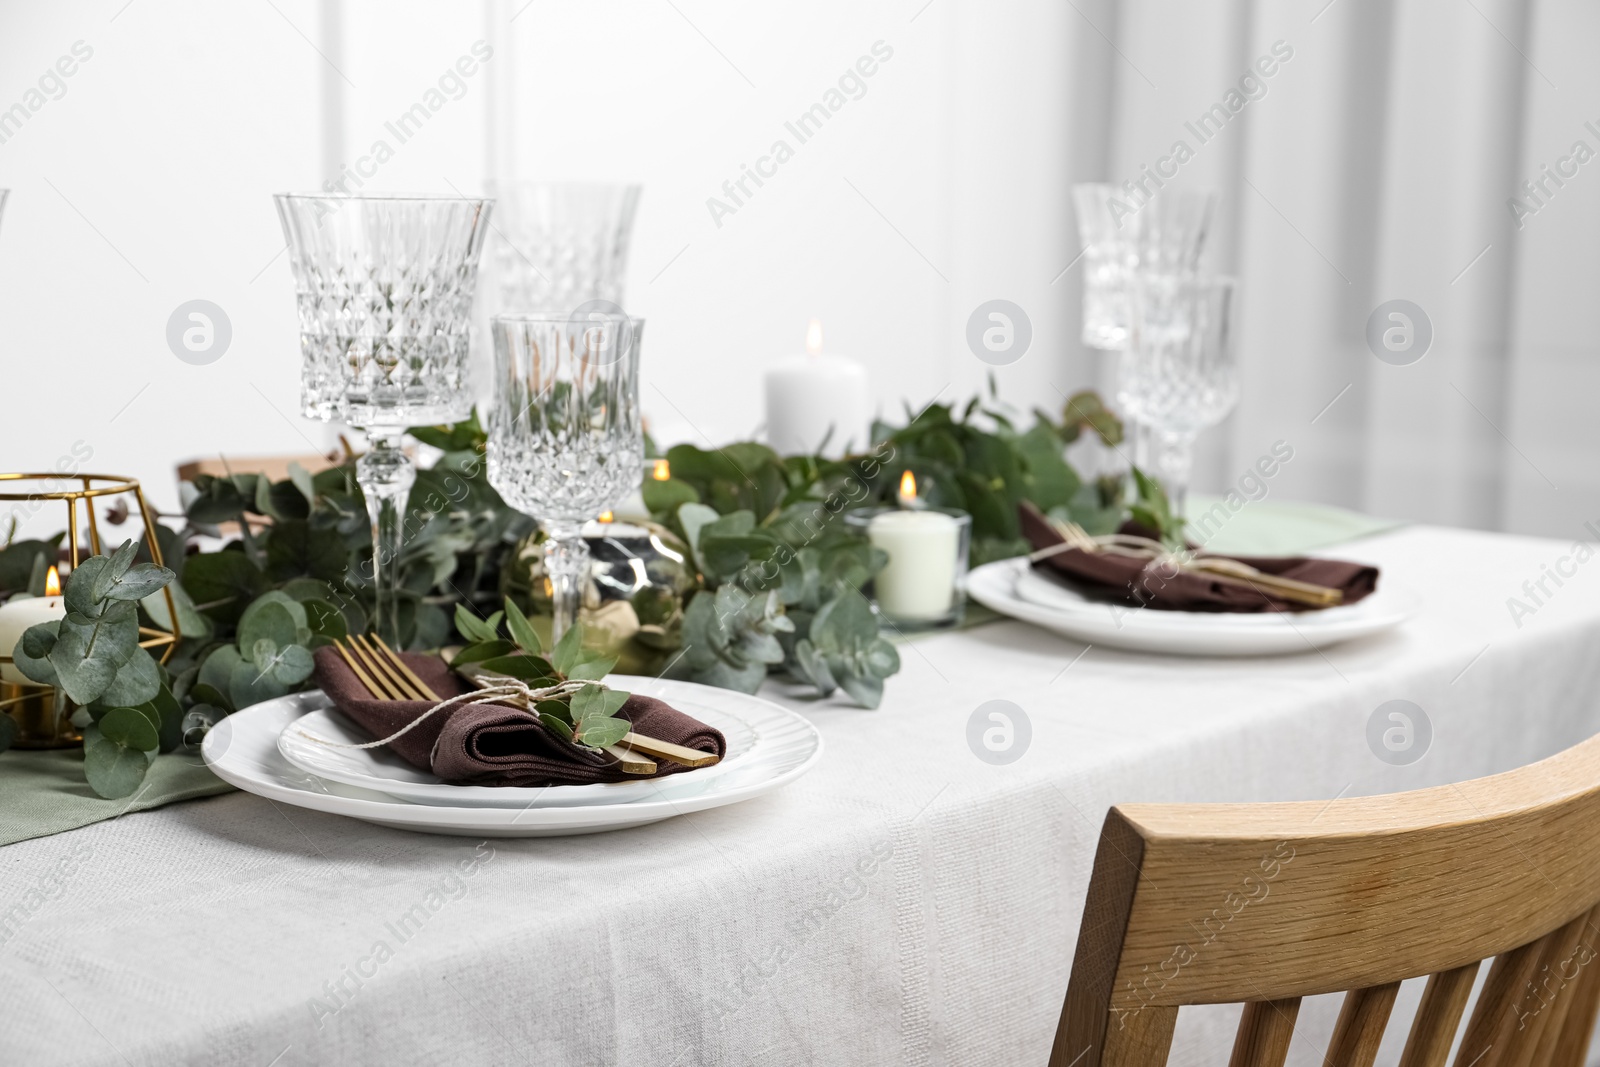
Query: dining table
(913,900)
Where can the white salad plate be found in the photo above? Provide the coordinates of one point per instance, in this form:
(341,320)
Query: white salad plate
(1013,587)
(381,769)
(243,750)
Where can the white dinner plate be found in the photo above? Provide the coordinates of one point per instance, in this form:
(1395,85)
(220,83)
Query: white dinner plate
(382,770)
(243,750)
(1012,587)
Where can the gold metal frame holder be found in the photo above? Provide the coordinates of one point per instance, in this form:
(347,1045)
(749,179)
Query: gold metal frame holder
(28,704)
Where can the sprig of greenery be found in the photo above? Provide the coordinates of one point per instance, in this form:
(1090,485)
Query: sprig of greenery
(775,586)
(587,716)
(93,655)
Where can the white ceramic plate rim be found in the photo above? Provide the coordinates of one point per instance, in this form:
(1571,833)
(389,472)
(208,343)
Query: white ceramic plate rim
(1192,633)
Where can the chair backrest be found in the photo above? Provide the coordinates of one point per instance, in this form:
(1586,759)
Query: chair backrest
(1268,903)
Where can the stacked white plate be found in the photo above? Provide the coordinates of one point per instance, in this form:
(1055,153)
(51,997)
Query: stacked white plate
(265,750)
(1013,587)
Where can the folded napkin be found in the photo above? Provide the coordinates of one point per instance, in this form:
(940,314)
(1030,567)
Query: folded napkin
(495,744)
(1154,584)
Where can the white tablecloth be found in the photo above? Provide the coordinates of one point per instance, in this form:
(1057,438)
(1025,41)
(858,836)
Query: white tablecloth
(905,903)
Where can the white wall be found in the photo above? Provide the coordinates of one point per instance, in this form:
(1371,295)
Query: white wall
(944,185)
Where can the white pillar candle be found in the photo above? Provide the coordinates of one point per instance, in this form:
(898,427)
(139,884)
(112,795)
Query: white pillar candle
(817,397)
(17,615)
(919,581)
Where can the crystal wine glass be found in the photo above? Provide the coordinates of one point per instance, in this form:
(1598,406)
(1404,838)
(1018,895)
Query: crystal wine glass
(1177,375)
(559,245)
(1125,232)
(384,287)
(565,441)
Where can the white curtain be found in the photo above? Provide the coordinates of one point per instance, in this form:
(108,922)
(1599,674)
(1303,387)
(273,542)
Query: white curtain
(1376,163)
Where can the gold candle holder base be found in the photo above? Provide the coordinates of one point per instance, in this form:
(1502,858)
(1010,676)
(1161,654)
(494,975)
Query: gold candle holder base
(43,716)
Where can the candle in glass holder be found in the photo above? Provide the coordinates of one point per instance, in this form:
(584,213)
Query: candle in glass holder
(817,398)
(927,558)
(19,613)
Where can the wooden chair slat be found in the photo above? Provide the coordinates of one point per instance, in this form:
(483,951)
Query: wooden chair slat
(1265,1030)
(1141,1040)
(1433,1030)
(1493,1015)
(1543,1006)
(1359,1031)
(1571,1042)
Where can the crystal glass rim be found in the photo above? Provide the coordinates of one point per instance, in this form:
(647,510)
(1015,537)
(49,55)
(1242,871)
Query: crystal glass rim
(426,198)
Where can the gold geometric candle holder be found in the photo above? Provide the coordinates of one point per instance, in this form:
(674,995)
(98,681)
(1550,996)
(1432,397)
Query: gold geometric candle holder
(41,713)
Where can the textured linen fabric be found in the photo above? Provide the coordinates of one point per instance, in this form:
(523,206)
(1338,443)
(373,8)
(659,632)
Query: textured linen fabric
(905,903)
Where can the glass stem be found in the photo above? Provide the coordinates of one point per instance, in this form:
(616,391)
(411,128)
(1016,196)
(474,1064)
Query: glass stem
(386,476)
(566,564)
(1173,459)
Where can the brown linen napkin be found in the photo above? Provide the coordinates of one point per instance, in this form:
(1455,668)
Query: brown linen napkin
(1150,584)
(495,744)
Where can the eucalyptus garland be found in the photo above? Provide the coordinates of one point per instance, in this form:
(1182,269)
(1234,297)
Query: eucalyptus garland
(771,580)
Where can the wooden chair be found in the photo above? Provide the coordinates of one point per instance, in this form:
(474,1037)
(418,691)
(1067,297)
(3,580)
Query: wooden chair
(1269,903)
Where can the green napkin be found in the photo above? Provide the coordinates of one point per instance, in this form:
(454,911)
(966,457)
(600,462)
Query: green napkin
(43,793)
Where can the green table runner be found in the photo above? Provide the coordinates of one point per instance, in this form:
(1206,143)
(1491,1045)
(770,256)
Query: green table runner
(44,793)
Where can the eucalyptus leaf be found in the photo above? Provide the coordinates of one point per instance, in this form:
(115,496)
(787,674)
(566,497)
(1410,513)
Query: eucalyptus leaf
(135,682)
(32,651)
(484,650)
(600,731)
(565,655)
(554,724)
(588,702)
(473,628)
(79,595)
(593,669)
(270,622)
(139,581)
(692,518)
(89,651)
(130,728)
(522,631)
(114,771)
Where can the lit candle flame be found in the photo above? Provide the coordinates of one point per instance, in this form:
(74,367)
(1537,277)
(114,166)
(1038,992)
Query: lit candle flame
(606,516)
(662,472)
(908,490)
(814,338)
(52,583)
